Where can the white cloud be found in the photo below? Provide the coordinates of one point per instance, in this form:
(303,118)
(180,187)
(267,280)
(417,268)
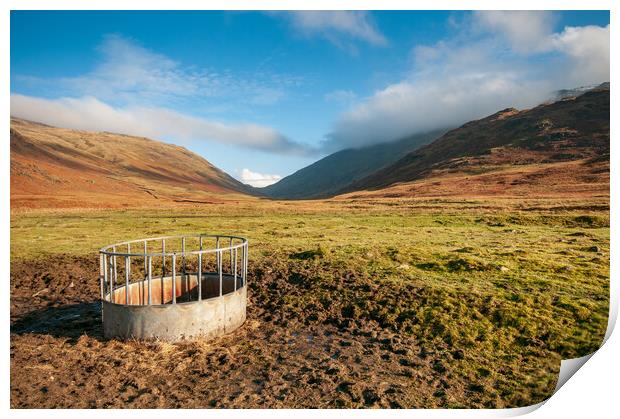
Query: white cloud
(476,74)
(413,107)
(258,180)
(128,73)
(527,31)
(132,90)
(127,67)
(355,24)
(531,32)
(588,48)
(342,96)
(89,113)
(423,54)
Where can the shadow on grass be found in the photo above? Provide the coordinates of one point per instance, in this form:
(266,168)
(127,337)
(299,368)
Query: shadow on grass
(70,321)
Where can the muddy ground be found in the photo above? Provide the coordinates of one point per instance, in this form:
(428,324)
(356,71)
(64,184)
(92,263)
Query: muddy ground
(283,356)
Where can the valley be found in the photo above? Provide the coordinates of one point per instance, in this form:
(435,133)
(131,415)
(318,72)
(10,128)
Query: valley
(459,276)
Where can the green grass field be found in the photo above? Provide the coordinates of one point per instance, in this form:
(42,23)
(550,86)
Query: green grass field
(496,292)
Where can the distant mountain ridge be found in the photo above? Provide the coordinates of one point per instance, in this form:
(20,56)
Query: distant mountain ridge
(575,128)
(566,93)
(331,174)
(63,167)
(563,145)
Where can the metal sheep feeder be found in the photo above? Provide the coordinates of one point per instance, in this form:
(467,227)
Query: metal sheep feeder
(174,288)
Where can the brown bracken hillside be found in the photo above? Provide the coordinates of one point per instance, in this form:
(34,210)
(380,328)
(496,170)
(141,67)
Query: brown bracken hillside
(560,148)
(54,167)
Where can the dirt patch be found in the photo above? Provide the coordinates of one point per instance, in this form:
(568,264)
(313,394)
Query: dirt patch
(293,350)
(52,282)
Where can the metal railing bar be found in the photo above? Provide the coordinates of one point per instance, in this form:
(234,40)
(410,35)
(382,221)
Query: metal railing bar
(146,270)
(111,278)
(217,253)
(191,252)
(174,279)
(245,263)
(183,252)
(163,284)
(163,256)
(219,269)
(127,281)
(145,252)
(106,248)
(135,254)
(150,263)
(105,272)
(235,271)
(114,264)
(231,252)
(199,276)
(101,274)
(129,252)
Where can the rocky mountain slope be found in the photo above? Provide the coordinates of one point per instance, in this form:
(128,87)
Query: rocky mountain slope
(569,131)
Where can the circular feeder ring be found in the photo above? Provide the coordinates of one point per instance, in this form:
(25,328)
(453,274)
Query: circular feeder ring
(174,288)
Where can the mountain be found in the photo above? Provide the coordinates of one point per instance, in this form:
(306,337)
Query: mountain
(566,141)
(577,91)
(55,167)
(332,173)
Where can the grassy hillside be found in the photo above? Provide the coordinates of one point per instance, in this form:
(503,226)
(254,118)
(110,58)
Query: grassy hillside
(55,167)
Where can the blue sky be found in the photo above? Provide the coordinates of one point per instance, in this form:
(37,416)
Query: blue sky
(261,95)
